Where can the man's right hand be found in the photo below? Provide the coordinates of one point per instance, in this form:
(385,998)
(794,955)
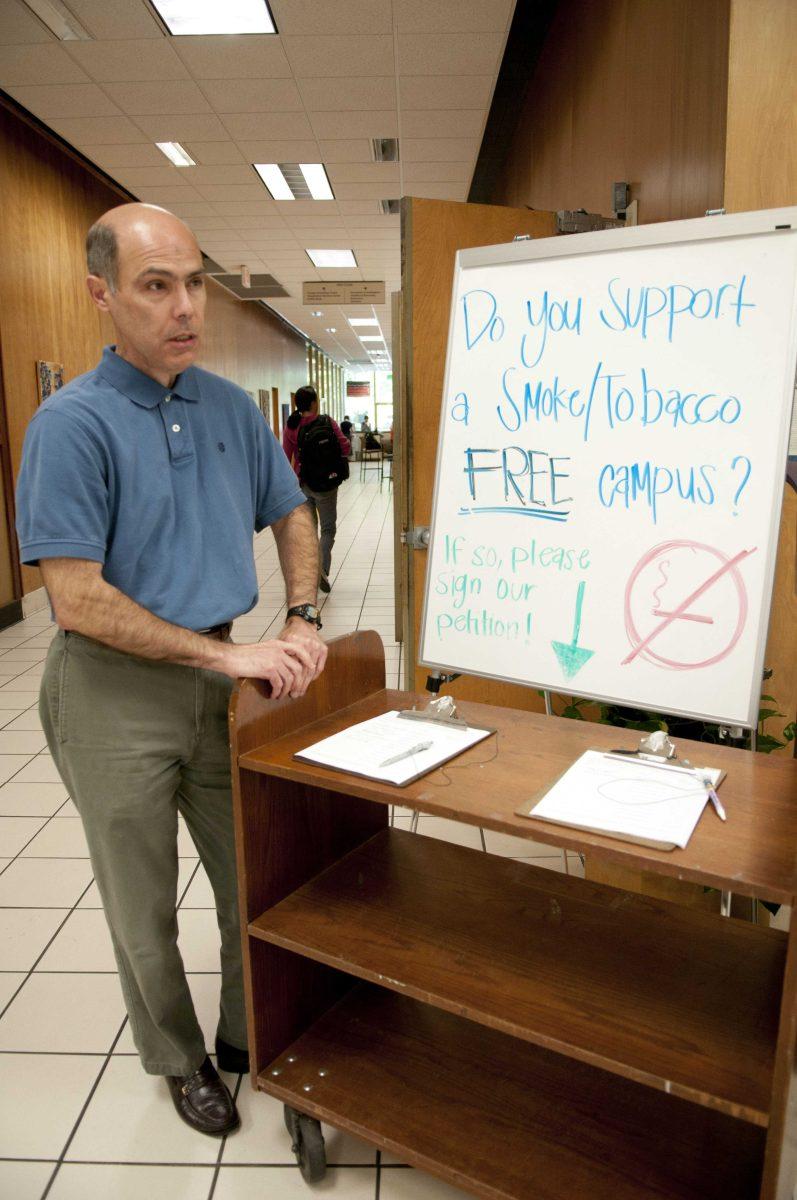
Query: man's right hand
(287,666)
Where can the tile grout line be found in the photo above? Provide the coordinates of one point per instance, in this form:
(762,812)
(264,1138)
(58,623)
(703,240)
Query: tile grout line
(5,1008)
(82,1113)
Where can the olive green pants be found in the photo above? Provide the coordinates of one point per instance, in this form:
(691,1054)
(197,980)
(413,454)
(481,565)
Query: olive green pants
(136,742)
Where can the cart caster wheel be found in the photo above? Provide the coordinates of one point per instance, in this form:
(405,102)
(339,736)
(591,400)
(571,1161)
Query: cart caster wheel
(308,1144)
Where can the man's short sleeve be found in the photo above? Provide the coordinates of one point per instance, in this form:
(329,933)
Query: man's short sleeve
(278,492)
(62,492)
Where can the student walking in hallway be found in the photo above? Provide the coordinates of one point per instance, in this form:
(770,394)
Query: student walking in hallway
(318,451)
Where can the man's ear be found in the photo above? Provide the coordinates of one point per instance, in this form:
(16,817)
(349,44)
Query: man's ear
(99,291)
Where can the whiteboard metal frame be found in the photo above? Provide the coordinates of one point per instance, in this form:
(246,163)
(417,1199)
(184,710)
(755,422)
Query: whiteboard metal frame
(774,222)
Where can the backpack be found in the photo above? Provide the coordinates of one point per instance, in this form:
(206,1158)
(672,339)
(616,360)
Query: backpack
(322,466)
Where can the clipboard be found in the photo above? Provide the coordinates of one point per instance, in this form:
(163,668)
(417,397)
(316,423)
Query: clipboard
(361,749)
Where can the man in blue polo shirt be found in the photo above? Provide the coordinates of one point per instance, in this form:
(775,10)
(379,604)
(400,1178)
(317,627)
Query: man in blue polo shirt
(141,485)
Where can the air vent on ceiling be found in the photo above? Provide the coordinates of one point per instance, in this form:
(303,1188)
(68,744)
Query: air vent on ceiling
(385,149)
(390,207)
(262,287)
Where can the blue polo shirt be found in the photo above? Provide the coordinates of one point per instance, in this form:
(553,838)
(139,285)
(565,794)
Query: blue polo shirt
(164,487)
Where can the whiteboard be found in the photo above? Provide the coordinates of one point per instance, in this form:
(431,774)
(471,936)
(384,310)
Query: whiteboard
(610,468)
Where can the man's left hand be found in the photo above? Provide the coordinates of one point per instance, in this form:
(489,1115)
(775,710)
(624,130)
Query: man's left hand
(304,633)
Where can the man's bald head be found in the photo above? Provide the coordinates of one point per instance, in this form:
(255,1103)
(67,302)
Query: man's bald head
(123,225)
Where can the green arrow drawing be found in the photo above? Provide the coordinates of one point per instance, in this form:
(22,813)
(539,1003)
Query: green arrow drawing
(572,656)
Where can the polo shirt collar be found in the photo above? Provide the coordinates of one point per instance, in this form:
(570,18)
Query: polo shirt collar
(143,389)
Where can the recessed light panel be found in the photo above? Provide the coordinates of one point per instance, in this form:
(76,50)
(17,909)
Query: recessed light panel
(317,181)
(362,322)
(368,338)
(176,154)
(274,180)
(185,17)
(332,258)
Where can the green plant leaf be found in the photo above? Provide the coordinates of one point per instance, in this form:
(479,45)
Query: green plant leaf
(765,713)
(771,699)
(766,743)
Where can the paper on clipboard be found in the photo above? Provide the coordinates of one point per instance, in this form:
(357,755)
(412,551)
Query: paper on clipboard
(362,748)
(652,804)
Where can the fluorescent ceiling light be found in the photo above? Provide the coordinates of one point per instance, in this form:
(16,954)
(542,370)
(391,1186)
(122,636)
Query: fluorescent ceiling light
(182,17)
(331,258)
(364,337)
(317,181)
(59,20)
(176,154)
(317,313)
(274,180)
(332,330)
(360,322)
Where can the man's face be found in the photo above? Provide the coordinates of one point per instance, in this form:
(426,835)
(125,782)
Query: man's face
(158,307)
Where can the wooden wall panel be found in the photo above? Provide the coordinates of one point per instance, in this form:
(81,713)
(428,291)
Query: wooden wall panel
(761,172)
(434,230)
(625,90)
(48,200)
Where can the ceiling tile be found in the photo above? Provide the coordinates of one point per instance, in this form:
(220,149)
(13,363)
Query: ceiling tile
(112,19)
(445,123)
(65,100)
(99,131)
(437,172)
(447,91)
(32,64)
(451,16)
(126,61)
(439,149)
(156,99)
(357,150)
(134,178)
(359,207)
(190,210)
(18,26)
(225,191)
(365,124)
(352,57)
(283,125)
(252,95)
(117,158)
(177,127)
(378,221)
(438,191)
(243,208)
(332,16)
(206,224)
(365,191)
(328,95)
(279,150)
(360,172)
(174,193)
(451,54)
(314,208)
(210,154)
(250,56)
(221,175)
(258,226)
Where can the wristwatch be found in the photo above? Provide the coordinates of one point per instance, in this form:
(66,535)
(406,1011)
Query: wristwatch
(308,612)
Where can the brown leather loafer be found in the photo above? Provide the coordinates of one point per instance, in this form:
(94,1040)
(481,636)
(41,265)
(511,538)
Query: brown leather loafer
(230,1058)
(203,1102)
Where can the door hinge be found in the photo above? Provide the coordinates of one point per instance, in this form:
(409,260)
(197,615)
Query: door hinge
(417,538)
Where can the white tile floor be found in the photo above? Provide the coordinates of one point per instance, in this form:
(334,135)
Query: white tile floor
(79,1119)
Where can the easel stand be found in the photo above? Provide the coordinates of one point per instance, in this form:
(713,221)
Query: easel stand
(507,1028)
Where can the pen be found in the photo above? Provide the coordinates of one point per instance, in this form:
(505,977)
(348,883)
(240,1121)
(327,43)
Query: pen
(406,754)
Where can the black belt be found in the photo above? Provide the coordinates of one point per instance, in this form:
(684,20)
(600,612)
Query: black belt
(219,632)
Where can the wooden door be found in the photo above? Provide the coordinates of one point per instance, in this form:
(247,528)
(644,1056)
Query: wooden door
(432,232)
(10,574)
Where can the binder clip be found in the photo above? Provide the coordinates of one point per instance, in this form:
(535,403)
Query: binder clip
(441,711)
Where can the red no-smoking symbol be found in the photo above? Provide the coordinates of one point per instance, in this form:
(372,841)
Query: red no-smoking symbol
(690,600)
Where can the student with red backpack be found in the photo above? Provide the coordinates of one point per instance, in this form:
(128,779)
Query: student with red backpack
(319,454)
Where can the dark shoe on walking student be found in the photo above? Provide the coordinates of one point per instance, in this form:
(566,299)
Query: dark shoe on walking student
(203,1101)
